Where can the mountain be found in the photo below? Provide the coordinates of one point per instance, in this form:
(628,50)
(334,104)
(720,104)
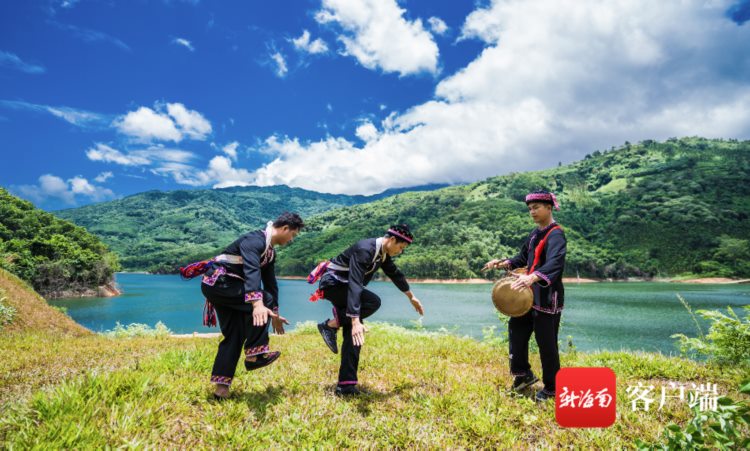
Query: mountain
(678,207)
(159,231)
(55,256)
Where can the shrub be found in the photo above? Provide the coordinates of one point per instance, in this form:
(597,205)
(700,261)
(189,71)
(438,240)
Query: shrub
(138,330)
(728,338)
(728,427)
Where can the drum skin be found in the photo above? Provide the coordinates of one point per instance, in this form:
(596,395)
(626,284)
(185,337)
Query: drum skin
(508,301)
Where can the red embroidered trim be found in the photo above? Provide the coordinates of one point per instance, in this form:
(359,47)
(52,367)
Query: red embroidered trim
(223,380)
(543,277)
(249,352)
(253,296)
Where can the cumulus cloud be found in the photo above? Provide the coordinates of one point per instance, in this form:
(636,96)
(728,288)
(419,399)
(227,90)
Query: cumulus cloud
(191,123)
(376,33)
(304,44)
(437,25)
(220,173)
(78,117)
(174,124)
(555,81)
(12,60)
(184,43)
(53,187)
(231,150)
(366,131)
(146,124)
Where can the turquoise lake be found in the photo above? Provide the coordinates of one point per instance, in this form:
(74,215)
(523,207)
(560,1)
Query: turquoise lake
(614,316)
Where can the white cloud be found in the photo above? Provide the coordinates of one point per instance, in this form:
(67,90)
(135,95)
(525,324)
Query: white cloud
(11,60)
(231,150)
(142,157)
(366,131)
(184,42)
(49,186)
(146,125)
(75,116)
(53,187)
(104,176)
(304,44)
(557,80)
(437,25)
(191,122)
(104,153)
(281,69)
(220,173)
(378,36)
(158,153)
(223,175)
(79,185)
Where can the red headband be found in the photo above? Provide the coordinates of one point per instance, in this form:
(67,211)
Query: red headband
(403,237)
(544,197)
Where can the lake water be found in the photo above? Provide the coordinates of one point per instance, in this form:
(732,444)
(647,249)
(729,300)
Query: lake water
(633,316)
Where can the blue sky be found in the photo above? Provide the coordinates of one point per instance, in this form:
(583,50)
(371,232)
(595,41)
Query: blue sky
(101,99)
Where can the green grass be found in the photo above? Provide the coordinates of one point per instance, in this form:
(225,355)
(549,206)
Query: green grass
(425,390)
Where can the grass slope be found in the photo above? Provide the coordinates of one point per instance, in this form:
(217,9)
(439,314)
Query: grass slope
(42,346)
(32,313)
(425,390)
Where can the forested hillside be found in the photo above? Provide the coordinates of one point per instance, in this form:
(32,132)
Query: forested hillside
(651,209)
(55,256)
(159,231)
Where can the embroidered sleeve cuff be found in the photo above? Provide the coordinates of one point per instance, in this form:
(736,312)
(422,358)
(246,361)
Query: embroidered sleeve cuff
(510,263)
(253,296)
(276,310)
(543,277)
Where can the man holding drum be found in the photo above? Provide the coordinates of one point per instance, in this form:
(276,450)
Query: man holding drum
(543,256)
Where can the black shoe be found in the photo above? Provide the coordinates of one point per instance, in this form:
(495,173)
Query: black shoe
(347,390)
(522,382)
(262,360)
(329,336)
(544,395)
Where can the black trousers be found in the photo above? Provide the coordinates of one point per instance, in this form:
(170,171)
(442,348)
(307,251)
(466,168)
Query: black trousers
(236,322)
(545,327)
(369,304)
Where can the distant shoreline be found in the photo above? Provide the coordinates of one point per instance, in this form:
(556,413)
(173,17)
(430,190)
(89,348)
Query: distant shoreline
(570,280)
(566,280)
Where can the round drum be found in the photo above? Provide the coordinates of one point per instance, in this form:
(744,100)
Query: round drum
(509,301)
